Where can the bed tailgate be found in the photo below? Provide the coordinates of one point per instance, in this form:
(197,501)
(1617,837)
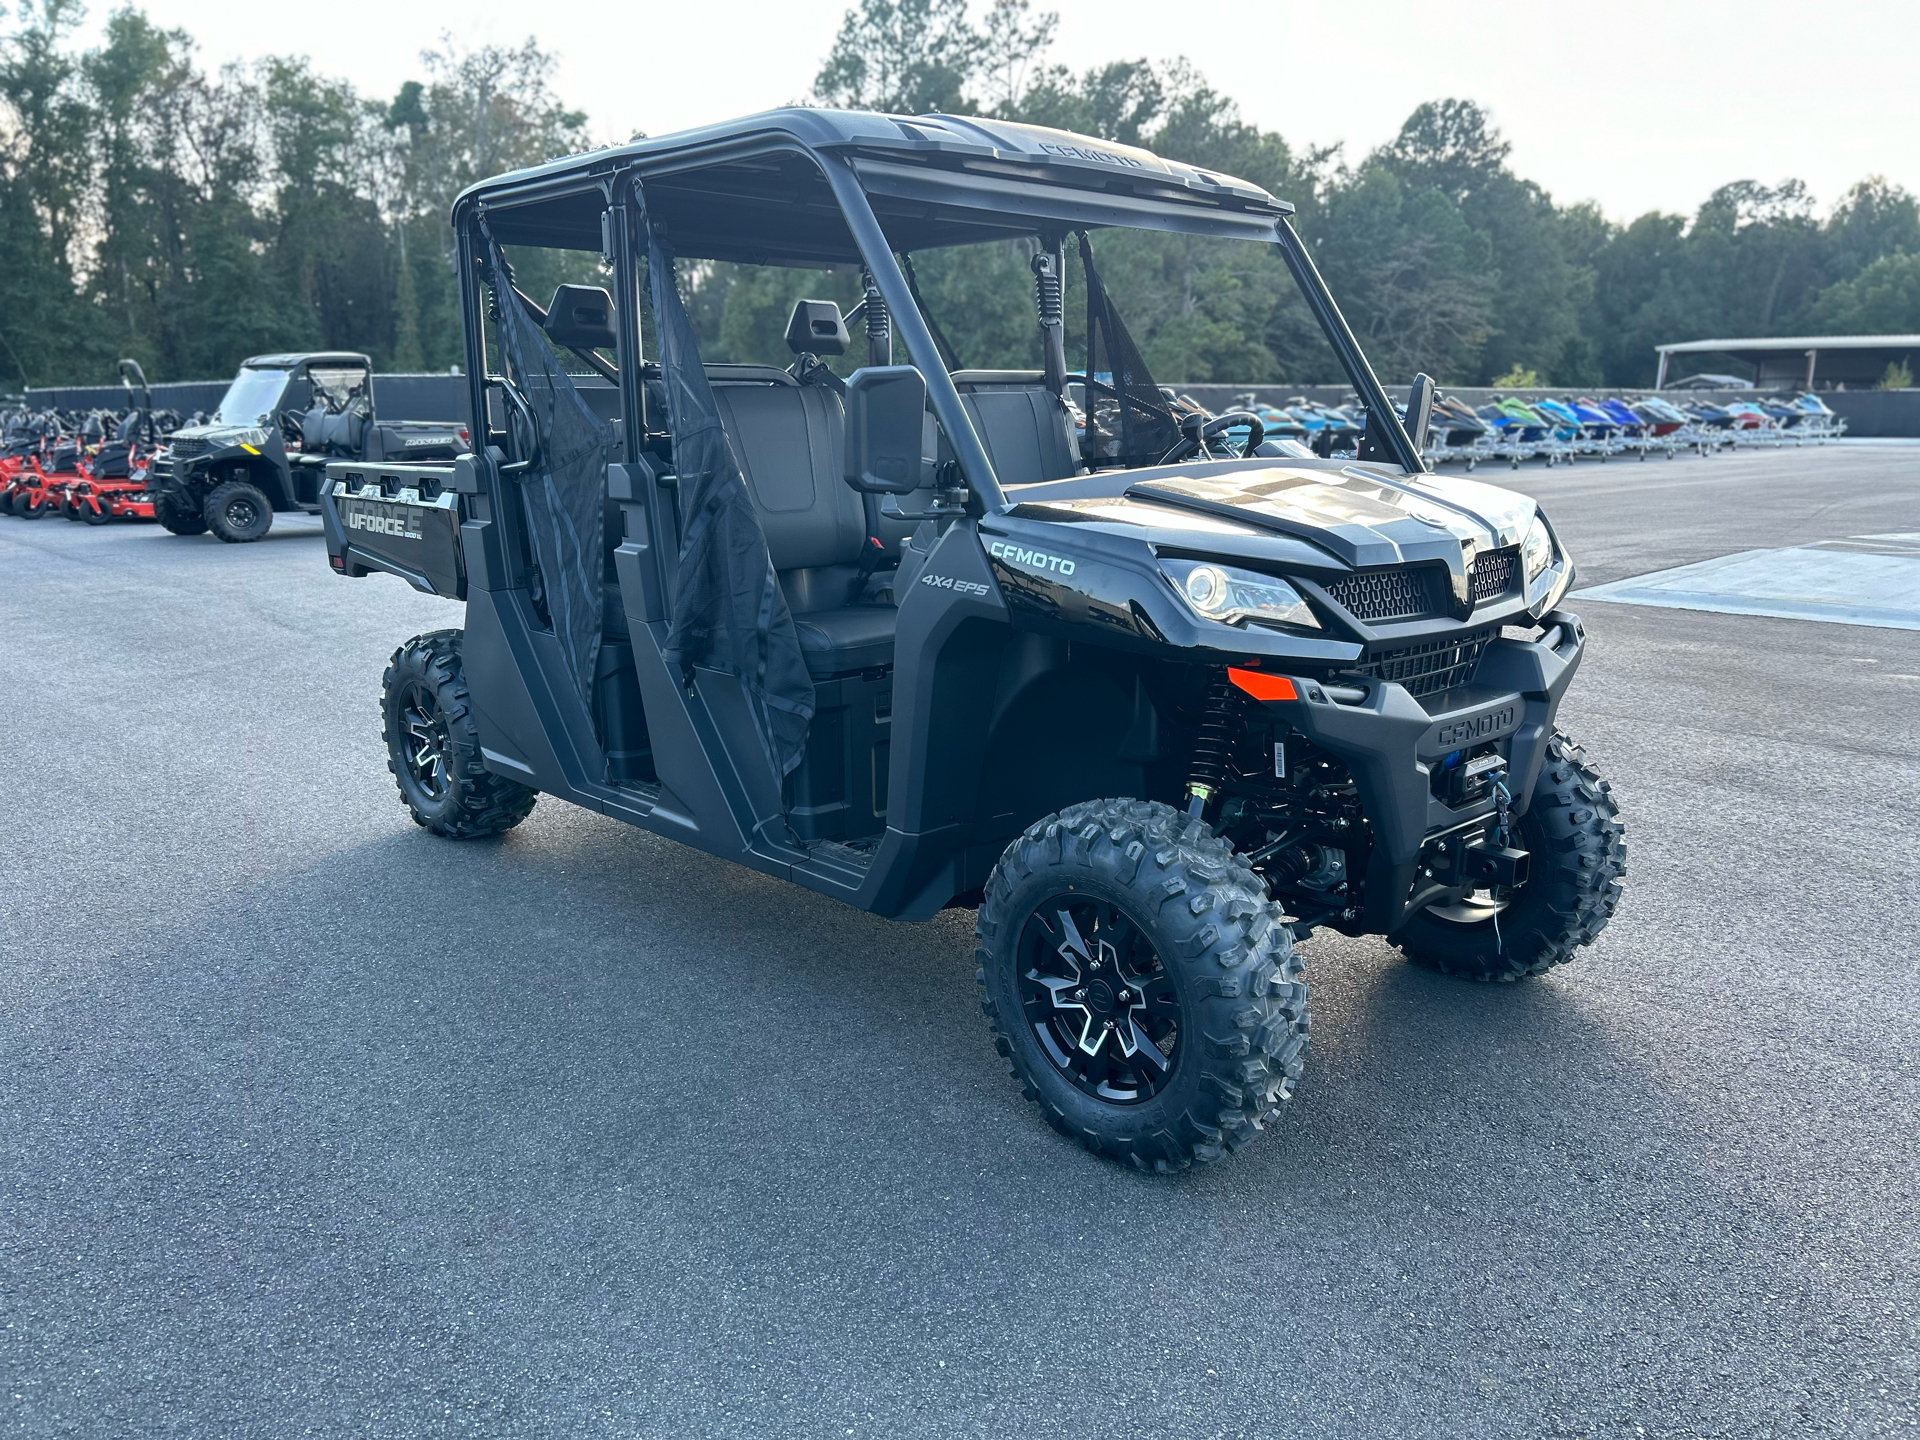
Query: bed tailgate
(403,519)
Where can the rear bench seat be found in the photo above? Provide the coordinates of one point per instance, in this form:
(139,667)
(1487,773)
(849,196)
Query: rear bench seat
(1021,423)
(788,439)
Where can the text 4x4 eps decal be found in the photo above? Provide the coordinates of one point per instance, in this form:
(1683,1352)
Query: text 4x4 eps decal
(959,587)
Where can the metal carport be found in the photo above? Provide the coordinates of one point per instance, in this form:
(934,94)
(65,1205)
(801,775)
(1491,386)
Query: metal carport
(1854,360)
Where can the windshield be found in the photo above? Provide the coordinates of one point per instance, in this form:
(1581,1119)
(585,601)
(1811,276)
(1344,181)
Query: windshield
(1151,319)
(251,398)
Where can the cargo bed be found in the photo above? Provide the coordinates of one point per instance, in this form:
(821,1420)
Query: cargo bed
(398,518)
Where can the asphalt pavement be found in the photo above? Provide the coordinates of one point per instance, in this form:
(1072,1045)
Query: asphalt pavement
(312,1124)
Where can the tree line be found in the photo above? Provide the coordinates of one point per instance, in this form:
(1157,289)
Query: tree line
(149,207)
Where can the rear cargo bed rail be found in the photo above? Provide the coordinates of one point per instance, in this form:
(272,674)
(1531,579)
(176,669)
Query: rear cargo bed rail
(399,518)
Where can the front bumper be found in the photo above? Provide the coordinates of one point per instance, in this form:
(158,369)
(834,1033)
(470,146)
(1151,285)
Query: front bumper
(1393,744)
(174,477)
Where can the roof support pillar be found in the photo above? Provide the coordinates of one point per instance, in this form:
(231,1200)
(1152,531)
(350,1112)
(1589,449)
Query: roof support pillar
(912,329)
(1813,357)
(1660,379)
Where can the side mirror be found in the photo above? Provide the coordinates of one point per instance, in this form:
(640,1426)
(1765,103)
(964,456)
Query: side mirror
(886,451)
(1420,411)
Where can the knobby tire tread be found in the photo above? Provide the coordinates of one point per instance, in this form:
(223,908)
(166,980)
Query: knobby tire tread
(1246,1007)
(1584,864)
(484,803)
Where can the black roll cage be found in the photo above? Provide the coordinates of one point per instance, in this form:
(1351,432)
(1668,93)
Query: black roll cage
(852,177)
(716,785)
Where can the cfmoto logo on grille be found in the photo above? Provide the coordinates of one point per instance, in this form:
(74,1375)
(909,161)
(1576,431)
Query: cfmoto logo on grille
(1462,731)
(1033,559)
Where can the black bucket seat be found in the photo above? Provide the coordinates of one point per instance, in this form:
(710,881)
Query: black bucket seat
(789,439)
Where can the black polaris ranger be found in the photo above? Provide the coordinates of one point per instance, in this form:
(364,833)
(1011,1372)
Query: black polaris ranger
(267,446)
(1156,694)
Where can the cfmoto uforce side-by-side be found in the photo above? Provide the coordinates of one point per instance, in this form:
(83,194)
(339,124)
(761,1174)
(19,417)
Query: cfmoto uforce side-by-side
(1157,694)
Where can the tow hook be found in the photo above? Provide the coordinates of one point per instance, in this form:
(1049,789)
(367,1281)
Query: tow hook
(1477,864)
(1499,865)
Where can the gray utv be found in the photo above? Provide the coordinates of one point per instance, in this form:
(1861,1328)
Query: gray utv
(267,446)
(1154,693)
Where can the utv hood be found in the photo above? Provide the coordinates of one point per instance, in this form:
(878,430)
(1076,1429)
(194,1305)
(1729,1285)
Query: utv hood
(1322,520)
(214,437)
(1359,514)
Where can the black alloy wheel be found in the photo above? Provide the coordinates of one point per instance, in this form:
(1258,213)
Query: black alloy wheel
(1099,1000)
(433,745)
(426,741)
(239,512)
(1140,983)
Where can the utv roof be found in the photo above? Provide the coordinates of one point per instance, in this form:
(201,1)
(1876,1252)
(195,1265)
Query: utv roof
(302,357)
(752,189)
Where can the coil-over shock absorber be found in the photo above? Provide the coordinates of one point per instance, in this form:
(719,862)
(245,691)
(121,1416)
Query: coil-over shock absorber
(1053,330)
(879,323)
(1211,749)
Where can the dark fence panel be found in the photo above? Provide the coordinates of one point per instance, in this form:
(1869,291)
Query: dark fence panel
(1877,413)
(396,397)
(1870,414)
(186,396)
(421,397)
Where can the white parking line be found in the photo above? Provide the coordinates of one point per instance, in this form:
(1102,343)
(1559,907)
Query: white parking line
(1869,580)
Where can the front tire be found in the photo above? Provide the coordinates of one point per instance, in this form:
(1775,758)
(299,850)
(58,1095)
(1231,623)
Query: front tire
(239,512)
(1139,983)
(433,747)
(1577,855)
(176,518)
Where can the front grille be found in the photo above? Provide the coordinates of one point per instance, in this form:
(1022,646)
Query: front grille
(187,449)
(1429,666)
(1493,575)
(1400,594)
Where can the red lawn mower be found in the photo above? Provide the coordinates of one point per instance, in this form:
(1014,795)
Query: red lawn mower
(40,486)
(115,483)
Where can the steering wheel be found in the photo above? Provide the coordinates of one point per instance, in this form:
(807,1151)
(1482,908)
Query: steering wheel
(1199,437)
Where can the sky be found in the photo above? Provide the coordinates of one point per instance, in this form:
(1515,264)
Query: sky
(1635,105)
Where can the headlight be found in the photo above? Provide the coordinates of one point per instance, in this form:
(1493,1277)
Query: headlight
(1536,551)
(1219,592)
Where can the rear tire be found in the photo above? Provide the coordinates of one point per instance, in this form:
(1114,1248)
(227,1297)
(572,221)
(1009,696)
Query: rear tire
(433,748)
(1577,855)
(238,512)
(1186,955)
(177,519)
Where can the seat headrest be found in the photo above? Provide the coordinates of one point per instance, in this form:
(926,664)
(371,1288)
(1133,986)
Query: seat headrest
(815,328)
(581,315)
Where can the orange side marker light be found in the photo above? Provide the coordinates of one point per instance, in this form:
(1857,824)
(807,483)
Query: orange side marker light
(1263,687)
